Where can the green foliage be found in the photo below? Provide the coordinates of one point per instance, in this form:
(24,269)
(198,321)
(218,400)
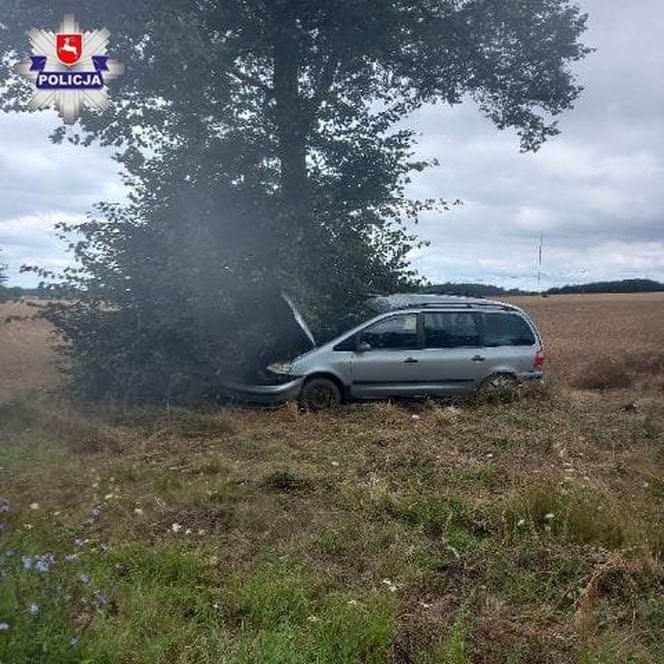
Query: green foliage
(265,146)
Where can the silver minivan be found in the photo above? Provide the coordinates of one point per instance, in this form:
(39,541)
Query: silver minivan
(415,345)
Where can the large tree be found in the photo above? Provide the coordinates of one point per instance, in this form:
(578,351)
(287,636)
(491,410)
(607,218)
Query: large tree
(265,139)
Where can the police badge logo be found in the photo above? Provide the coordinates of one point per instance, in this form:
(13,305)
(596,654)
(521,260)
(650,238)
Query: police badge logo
(69,69)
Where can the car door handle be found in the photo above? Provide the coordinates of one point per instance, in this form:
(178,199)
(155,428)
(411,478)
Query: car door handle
(410,360)
(478,358)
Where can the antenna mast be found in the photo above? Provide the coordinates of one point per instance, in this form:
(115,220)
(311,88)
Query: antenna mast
(539,265)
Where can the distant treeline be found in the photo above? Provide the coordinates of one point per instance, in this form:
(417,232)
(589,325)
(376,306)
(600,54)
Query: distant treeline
(448,288)
(623,286)
(489,290)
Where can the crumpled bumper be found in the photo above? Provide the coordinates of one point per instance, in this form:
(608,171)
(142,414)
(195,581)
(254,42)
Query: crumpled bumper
(264,394)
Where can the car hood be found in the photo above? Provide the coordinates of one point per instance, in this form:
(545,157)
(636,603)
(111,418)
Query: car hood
(299,319)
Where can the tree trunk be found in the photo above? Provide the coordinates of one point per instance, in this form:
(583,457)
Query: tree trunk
(292,129)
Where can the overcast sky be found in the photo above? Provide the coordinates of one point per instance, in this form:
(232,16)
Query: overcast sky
(594,192)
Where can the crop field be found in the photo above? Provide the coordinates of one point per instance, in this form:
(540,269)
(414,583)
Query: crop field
(529,531)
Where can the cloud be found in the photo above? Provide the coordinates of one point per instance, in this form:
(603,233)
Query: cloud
(594,192)
(43,184)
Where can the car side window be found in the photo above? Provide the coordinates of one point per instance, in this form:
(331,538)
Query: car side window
(393,333)
(503,329)
(450,330)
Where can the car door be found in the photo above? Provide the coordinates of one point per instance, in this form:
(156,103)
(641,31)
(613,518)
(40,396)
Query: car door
(452,360)
(510,343)
(389,366)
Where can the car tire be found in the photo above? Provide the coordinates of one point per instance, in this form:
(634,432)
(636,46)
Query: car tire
(499,387)
(320,394)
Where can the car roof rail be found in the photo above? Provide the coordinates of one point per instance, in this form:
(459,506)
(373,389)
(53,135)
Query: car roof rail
(459,305)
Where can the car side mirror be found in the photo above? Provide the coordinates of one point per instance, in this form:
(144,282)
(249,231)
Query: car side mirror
(363,347)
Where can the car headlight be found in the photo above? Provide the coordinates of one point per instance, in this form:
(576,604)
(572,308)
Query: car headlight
(282,368)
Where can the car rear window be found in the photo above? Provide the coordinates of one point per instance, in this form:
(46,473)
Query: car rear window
(394,332)
(450,330)
(502,329)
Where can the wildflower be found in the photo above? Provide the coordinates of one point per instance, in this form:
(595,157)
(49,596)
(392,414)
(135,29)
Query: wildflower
(9,553)
(390,585)
(549,516)
(201,531)
(414,416)
(41,564)
(99,597)
(424,605)
(34,506)
(176,527)
(4,626)
(489,455)
(352,602)
(34,609)
(96,511)
(79,542)
(73,642)
(138,510)
(5,506)
(70,557)
(312,619)
(84,577)
(27,562)
(335,463)
(521,522)
(104,547)
(27,526)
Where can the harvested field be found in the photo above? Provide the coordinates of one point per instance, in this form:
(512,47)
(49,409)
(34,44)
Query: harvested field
(27,362)
(584,334)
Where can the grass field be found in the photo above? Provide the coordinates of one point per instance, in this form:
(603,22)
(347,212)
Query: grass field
(530,531)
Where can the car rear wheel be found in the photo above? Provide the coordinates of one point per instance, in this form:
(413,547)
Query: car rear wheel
(320,394)
(500,386)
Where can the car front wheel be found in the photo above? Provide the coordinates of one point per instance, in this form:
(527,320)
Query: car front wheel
(320,394)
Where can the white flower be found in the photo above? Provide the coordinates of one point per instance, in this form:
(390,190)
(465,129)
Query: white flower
(549,516)
(415,416)
(390,585)
(335,463)
(521,522)
(138,510)
(176,527)
(489,455)
(34,506)
(352,602)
